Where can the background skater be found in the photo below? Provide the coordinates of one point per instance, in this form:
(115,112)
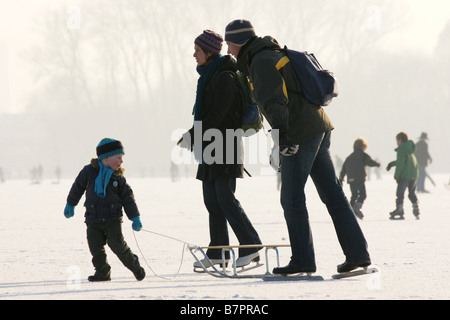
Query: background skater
(355,168)
(406,172)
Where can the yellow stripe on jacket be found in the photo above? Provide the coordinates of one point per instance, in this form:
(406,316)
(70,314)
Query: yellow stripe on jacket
(283,61)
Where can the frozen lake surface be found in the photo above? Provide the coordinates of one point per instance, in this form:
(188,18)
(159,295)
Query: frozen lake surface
(45,256)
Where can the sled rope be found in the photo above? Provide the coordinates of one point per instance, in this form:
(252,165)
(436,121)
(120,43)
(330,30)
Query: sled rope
(162,235)
(168,237)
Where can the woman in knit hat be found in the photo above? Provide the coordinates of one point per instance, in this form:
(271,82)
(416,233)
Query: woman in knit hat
(107,192)
(217,106)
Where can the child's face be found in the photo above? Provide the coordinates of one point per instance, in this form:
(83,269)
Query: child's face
(399,142)
(113,162)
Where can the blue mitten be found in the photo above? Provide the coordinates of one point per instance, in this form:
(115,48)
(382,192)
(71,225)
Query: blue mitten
(69,211)
(137,225)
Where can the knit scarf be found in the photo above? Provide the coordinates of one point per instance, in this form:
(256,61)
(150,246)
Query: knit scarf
(206,73)
(102,180)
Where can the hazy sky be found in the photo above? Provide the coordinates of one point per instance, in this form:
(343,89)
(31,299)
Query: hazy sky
(425,21)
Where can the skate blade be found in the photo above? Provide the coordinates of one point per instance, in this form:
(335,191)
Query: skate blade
(293,277)
(249,267)
(355,273)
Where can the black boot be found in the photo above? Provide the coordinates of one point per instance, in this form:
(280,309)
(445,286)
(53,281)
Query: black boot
(139,274)
(292,269)
(99,277)
(349,266)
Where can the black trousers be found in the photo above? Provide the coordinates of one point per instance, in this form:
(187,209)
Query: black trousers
(109,232)
(223,207)
(402,185)
(359,194)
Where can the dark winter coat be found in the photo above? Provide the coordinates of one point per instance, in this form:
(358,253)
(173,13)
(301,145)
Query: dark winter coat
(221,110)
(422,155)
(278,91)
(118,195)
(355,166)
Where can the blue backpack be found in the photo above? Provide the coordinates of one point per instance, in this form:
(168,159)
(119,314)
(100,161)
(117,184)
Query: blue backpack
(319,85)
(250,117)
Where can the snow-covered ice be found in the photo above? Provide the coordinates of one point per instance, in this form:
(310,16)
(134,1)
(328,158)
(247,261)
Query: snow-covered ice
(45,256)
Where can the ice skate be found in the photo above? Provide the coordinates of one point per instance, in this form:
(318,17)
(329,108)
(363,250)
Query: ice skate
(207,263)
(348,269)
(349,266)
(292,269)
(246,260)
(292,272)
(397,214)
(357,210)
(416,211)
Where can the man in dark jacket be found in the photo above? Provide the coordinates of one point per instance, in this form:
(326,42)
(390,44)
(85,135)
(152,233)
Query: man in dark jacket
(304,140)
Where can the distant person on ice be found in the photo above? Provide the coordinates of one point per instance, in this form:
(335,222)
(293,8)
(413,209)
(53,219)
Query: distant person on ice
(355,168)
(216,104)
(304,141)
(107,192)
(406,173)
(423,159)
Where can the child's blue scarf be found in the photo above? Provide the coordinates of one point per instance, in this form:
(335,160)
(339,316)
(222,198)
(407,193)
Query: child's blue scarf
(102,180)
(206,73)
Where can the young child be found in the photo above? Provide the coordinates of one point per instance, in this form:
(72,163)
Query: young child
(106,193)
(355,168)
(406,173)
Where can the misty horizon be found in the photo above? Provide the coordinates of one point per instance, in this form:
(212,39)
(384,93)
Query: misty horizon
(125,70)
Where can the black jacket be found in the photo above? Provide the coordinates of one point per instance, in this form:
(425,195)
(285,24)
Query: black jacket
(118,195)
(221,110)
(355,166)
(278,91)
(422,155)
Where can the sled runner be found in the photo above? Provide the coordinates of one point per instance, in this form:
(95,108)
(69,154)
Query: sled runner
(221,271)
(360,272)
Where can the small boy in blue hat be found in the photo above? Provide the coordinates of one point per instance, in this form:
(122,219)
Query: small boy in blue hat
(107,192)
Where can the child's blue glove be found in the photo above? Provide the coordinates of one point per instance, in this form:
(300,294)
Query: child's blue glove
(69,211)
(137,225)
